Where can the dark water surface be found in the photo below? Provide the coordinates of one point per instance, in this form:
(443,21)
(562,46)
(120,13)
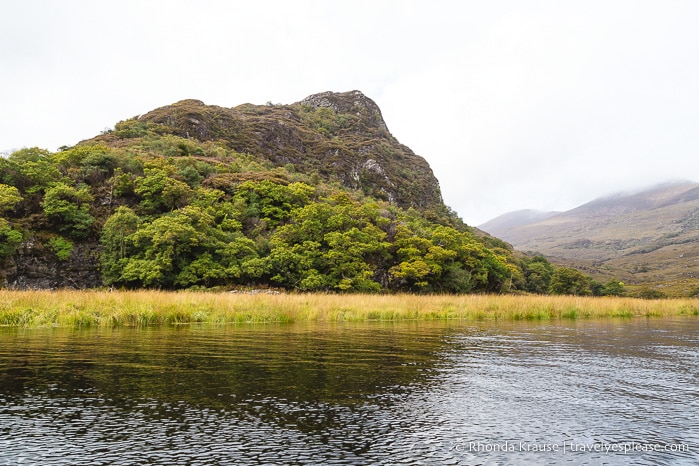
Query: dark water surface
(572,392)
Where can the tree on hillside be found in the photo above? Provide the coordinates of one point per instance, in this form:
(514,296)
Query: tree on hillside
(568,281)
(9,239)
(613,287)
(9,197)
(537,274)
(69,208)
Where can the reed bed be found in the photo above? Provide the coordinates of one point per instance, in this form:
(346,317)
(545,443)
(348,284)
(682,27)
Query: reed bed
(69,308)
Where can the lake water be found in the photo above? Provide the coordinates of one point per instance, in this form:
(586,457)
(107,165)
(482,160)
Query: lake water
(572,392)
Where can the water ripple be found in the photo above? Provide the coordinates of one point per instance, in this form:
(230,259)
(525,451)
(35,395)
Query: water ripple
(513,394)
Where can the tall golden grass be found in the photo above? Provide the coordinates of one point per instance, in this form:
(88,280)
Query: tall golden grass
(146,308)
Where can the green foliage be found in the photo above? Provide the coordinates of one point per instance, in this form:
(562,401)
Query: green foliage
(647,292)
(568,281)
(132,128)
(9,197)
(437,258)
(116,247)
(69,208)
(325,120)
(62,247)
(596,288)
(122,183)
(614,287)
(91,164)
(159,191)
(31,170)
(192,171)
(329,245)
(353,257)
(10,239)
(98,165)
(537,273)
(180,249)
(273,202)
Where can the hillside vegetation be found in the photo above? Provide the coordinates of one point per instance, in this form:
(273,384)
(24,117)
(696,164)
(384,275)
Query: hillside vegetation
(313,196)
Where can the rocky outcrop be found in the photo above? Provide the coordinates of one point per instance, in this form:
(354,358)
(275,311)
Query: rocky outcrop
(353,102)
(340,136)
(34,267)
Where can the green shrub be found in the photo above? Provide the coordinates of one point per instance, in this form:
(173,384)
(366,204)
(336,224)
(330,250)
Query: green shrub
(62,247)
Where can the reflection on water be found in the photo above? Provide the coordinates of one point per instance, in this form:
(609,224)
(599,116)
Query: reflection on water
(579,392)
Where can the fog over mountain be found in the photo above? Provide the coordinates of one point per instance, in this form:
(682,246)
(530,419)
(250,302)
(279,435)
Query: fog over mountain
(651,235)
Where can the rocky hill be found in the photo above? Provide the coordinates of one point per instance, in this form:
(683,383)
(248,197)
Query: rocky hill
(339,136)
(651,236)
(313,196)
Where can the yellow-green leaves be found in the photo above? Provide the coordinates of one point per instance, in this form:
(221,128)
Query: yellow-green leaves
(69,207)
(9,197)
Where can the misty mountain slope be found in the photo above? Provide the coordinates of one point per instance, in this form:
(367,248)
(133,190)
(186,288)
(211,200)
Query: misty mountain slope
(515,219)
(651,235)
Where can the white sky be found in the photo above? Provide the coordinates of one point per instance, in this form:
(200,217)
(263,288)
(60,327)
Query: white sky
(515,104)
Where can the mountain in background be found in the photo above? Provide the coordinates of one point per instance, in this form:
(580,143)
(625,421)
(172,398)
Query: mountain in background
(512,220)
(649,236)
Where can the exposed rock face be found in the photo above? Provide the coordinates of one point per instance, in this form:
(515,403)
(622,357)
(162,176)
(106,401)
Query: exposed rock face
(35,268)
(341,136)
(349,102)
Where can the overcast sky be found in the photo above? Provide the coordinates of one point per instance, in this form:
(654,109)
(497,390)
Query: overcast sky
(515,104)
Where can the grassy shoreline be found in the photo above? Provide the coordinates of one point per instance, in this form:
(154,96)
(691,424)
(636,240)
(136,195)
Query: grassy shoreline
(69,308)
